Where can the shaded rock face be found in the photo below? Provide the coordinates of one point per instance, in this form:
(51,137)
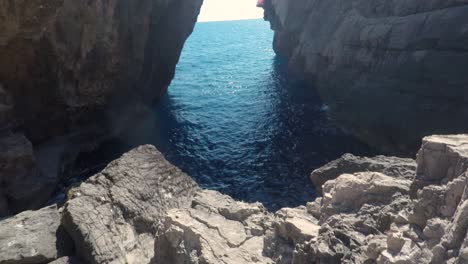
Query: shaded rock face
(114,215)
(64,61)
(34,237)
(22,186)
(391,71)
(69,67)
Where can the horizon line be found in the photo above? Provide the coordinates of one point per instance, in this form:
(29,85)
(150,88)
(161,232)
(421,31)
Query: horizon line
(226,20)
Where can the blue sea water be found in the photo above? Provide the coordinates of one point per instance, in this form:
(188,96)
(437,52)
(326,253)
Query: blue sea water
(237,121)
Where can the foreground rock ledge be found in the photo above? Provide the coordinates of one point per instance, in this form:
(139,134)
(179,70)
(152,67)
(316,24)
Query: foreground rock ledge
(113,216)
(142,209)
(363,217)
(33,237)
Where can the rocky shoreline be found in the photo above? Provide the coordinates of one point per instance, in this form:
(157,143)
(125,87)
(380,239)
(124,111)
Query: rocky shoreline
(142,209)
(75,74)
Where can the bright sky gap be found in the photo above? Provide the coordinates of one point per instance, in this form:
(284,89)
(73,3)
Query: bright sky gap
(220,10)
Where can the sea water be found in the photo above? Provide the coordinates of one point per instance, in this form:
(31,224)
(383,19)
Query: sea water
(238,122)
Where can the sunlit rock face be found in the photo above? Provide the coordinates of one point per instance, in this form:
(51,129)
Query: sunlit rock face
(391,71)
(143,209)
(64,61)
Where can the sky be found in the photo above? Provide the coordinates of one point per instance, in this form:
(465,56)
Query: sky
(218,10)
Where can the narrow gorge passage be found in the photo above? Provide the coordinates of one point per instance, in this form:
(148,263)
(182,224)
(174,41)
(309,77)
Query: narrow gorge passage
(237,122)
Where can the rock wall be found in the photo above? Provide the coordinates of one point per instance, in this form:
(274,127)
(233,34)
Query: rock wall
(391,71)
(73,73)
(63,62)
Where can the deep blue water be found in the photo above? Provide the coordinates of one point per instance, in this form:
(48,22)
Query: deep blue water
(236,121)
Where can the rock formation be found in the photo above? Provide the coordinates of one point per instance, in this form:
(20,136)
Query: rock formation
(348,163)
(72,66)
(63,60)
(363,217)
(215,229)
(113,216)
(34,237)
(391,71)
(142,209)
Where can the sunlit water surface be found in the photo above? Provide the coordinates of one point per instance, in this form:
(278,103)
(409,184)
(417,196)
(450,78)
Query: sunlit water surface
(237,122)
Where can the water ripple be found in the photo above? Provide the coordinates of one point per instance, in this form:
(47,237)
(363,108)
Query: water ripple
(236,121)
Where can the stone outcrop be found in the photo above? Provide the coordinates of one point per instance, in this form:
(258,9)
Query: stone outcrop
(215,229)
(390,71)
(33,237)
(441,159)
(348,163)
(362,217)
(142,209)
(113,216)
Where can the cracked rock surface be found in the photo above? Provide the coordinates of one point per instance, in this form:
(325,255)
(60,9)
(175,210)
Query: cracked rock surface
(362,217)
(142,209)
(33,237)
(348,163)
(215,229)
(113,216)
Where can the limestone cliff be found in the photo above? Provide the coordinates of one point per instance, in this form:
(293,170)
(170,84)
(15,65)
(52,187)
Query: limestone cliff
(391,71)
(71,69)
(65,63)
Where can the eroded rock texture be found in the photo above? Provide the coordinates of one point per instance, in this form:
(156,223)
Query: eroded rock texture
(362,217)
(33,237)
(114,215)
(63,61)
(348,163)
(142,209)
(215,229)
(391,71)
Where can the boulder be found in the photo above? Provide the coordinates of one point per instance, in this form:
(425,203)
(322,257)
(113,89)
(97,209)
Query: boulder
(215,229)
(349,192)
(113,216)
(440,160)
(294,232)
(33,237)
(22,186)
(348,163)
